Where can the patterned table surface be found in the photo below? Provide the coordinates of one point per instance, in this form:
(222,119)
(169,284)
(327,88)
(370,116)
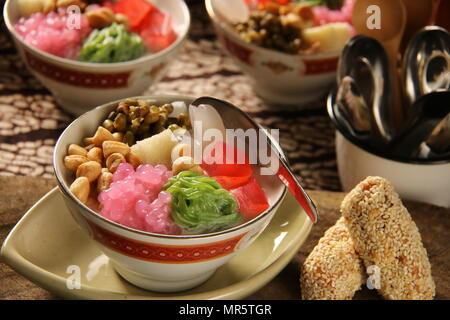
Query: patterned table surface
(31,121)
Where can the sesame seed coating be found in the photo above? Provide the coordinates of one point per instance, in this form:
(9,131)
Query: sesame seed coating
(385,235)
(333,270)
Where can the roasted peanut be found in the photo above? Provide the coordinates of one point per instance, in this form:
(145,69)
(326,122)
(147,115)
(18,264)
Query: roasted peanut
(75,149)
(100,18)
(185,164)
(110,147)
(133,159)
(48,6)
(91,170)
(81,188)
(114,160)
(95,154)
(180,150)
(72,162)
(66,3)
(100,136)
(88,142)
(122,19)
(104,181)
(305,12)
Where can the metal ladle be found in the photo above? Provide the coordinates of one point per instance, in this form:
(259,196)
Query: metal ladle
(234,117)
(426,65)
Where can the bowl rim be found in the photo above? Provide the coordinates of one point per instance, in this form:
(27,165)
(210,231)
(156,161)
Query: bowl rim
(101,66)
(350,138)
(217,21)
(66,191)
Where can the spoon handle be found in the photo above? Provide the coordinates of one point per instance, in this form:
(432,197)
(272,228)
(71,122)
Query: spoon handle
(284,172)
(288,178)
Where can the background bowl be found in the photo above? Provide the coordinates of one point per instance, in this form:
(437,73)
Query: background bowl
(278,77)
(153,261)
(80,86)
(424,181)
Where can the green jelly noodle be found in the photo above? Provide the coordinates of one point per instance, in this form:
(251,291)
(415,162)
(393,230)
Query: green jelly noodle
(112,44)
(200,204)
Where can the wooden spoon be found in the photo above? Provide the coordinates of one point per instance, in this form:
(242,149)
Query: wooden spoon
(419,14)
(440,14)
(390,33)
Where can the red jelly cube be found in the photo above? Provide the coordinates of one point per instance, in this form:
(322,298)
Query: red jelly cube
(251,199)
(136,11)
(233,170)
(229,183)
(157,31)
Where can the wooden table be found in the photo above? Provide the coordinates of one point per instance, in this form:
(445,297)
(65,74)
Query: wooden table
(17,194)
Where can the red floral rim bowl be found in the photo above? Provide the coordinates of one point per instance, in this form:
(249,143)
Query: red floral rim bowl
(157,262)
(279,78)
(80,86)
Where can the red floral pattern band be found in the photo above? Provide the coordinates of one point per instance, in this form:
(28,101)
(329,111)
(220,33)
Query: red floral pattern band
(316,66)
(164,253)
(235,49)
(78,78)
(312,66)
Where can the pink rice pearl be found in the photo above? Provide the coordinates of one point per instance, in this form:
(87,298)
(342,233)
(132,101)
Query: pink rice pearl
(136,199)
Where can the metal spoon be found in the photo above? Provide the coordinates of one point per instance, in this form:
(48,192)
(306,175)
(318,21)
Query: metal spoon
(352,109)
(393,19)
(425,116)
(427,56)
(234,118)
(437,145)
(365,60)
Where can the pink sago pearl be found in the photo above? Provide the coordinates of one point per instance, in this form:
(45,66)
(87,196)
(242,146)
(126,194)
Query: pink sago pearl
(323,15)
(50,33)
(135,199)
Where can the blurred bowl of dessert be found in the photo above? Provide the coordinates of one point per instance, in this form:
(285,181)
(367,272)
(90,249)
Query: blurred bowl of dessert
(88,54)
(289,49)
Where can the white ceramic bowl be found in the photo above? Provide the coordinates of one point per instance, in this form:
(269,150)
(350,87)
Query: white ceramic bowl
(80,86)
(277,77)
(153,261)
(423,181)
